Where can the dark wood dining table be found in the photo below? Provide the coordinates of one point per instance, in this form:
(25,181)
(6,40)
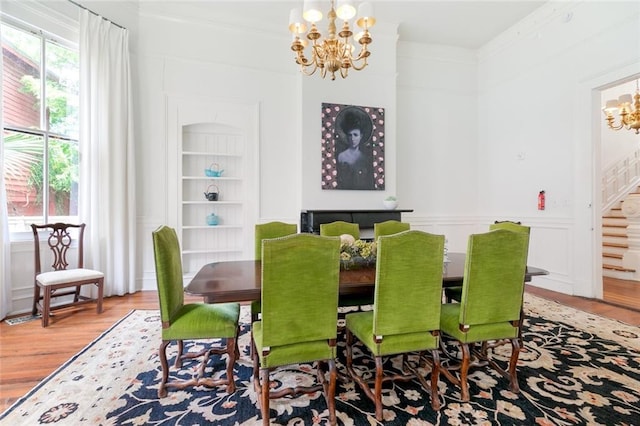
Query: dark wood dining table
(238,281)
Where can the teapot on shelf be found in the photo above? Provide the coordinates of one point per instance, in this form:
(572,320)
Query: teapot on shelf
(213,170)
(212,219)
(212,196)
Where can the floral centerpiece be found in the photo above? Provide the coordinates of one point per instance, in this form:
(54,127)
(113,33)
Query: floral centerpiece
(356,254)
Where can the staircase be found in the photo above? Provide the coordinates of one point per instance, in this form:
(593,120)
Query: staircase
(614,243)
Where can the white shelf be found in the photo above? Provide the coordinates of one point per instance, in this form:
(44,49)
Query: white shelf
(202,243)
(209,178)
(212,203)
(210,154)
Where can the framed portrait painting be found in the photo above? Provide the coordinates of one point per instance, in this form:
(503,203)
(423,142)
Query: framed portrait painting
(352,147)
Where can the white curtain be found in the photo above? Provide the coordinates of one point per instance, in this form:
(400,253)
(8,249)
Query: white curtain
(107,163)
(5,247)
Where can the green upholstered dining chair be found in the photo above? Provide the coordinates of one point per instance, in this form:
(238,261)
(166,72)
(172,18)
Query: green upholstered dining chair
(263,231)
(490,306)
(190,321)
(455,293)
(300,279)
(406,311)
(389,227)
(339,227)
(273,229)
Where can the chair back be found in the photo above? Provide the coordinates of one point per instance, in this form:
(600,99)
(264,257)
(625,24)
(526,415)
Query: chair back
(389,227)
(512,226)
(271,230)
(168,261)
(408,290)
(300,278)
(494,273)
(339,227)
(59,241)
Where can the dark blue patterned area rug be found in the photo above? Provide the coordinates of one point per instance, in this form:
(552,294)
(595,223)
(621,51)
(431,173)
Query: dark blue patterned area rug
(576,368)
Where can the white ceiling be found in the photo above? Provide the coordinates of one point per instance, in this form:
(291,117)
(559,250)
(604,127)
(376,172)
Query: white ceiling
(468,24)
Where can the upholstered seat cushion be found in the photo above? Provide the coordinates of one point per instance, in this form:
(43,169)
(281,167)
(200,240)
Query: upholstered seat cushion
(361,325)
(450,324)
(291,354)
(67,276)
(203,320)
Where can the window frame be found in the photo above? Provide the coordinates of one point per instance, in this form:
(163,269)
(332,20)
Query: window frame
(43,131)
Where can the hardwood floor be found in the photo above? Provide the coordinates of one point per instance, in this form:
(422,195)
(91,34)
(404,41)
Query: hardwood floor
(621,292)
(29,353)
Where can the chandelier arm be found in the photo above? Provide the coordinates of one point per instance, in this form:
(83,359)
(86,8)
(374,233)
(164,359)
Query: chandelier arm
(614,127)
(361,67)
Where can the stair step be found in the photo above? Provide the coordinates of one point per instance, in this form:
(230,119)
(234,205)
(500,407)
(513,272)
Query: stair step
(615,225)
(612,255)
(618,245)
(617,268)
(614,234)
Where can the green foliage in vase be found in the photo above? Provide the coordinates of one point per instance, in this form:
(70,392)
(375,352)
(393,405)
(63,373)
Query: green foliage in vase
(358,252)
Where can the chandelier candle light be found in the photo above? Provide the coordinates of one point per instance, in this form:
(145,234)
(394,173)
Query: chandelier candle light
(629,115)
(332,53)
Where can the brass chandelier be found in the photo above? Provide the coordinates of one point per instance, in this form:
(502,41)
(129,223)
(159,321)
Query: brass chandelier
(629,113)
(333,53)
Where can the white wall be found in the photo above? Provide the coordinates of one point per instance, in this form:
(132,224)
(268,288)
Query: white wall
(536,112)
(472,136)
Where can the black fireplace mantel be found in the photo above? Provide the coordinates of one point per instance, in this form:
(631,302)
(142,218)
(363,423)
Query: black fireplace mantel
(310,220)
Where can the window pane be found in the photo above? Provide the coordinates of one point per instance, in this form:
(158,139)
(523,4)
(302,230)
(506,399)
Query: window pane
(62,89)
(21,53)
(23,160)
(63,177)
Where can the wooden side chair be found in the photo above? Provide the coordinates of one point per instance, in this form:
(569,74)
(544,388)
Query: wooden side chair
(190,321)
(300,279)
(389,227)
(62,280)
(263,231)
(406,312)
(490,306)
(339,227)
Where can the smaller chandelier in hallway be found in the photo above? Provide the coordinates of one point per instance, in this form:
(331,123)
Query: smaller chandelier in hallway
(629,113)
(335,52)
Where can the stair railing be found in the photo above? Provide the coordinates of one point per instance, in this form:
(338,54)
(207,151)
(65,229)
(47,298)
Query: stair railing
(620,179)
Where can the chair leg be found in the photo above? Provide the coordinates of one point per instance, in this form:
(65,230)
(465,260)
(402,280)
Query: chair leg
(178,363)
(36,299)
(46,306)
(331,393)
(435,377)
(464,371)
(513,363)
(231,360)
(100,295)
(378,388)
(162,353)
(76,295)
(264,396)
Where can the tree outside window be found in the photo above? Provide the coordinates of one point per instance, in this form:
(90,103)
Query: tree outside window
(40,112)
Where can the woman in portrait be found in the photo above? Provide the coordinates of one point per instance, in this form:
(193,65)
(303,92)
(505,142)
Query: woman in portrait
(354,162)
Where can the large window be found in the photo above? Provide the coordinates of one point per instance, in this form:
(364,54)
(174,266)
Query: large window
(40,119)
